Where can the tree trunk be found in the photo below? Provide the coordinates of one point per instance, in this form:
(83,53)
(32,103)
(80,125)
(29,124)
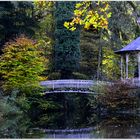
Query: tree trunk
(99,68)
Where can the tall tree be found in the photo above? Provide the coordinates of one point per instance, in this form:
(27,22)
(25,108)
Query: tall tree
(67,51)
(93,17)
(16,18)
(44,10)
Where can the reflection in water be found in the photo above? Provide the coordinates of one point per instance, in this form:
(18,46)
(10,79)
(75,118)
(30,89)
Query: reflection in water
(73,125)
(79,123)
(17,126)
(119,127)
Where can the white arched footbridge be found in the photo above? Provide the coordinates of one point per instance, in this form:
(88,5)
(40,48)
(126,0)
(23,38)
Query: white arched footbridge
(68,86)
(81,86)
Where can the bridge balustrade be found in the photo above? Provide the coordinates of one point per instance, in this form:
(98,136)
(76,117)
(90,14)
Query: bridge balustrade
(54,84)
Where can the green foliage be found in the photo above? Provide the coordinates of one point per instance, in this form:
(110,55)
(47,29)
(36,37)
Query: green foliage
(22,64)
(123,27)
(89,43)
(99,48)
(10,115)
(44,10)
(23,103)
(99,87)
(54,76)
(77,75)
(45,43)
(67,51)
(8,107)
(49,118)
(17,126)
(48,105)
(110,64)
(16,18)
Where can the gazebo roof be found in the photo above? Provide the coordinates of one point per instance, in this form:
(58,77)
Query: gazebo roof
(133,46)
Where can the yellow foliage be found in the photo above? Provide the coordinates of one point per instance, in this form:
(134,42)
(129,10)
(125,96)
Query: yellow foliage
(110,66)
(90,18)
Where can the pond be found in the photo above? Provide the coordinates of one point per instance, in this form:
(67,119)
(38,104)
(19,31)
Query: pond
(72,124)
(118,126)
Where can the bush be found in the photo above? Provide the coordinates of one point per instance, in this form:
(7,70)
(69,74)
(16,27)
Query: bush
(22,64)
(54,76)
(77,75)
(118,96)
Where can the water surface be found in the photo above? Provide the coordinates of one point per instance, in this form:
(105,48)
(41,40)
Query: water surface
(72,124)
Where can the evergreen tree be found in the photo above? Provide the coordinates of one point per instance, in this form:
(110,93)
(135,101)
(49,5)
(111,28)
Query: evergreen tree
(67,51)
(89,43)
(16,18)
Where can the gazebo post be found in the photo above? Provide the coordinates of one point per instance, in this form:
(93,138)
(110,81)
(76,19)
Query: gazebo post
(139,66)
(127,60)
(121,67)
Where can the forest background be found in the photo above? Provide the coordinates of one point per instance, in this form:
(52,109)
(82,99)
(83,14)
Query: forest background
(35,45)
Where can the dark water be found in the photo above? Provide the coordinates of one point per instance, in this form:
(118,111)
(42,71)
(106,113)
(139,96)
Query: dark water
(113,127)
(61,125)
(73,124)
(117,126)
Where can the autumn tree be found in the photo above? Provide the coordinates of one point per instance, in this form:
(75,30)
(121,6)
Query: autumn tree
(91,15)
(22,63)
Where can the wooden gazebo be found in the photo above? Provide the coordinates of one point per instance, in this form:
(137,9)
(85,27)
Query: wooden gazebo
(131,49)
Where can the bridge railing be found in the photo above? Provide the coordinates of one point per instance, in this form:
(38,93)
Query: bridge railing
(67,84)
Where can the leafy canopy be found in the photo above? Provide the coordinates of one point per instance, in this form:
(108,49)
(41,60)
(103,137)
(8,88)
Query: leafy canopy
(21,64)
(90,15)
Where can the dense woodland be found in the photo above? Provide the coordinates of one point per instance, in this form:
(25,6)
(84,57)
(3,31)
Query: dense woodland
(54,40)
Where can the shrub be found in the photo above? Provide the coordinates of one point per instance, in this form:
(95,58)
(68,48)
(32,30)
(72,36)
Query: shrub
(77,75)
(118,96)
(22,63)
(54,76)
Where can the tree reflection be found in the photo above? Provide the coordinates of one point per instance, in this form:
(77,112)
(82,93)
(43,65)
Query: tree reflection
(121,126)
(18,126)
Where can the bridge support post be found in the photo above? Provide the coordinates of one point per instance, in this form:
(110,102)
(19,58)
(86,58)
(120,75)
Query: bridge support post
(53,85)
